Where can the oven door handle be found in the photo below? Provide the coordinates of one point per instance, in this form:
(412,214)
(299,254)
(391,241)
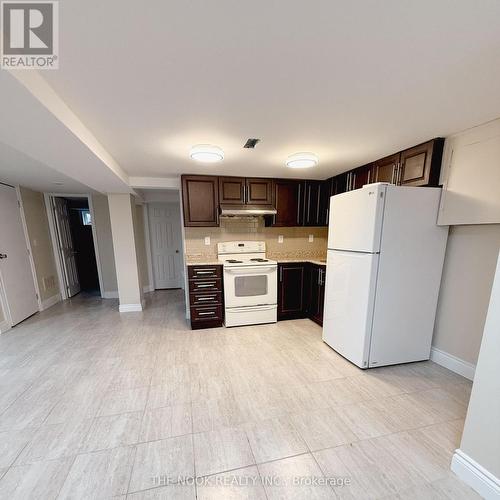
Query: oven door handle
(246,270)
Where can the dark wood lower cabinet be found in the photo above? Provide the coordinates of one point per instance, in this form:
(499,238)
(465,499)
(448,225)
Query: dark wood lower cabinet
(205,296)
(301,291)
(317,276)
(291,296)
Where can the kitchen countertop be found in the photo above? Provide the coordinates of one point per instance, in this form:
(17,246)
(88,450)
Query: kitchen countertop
(214,262)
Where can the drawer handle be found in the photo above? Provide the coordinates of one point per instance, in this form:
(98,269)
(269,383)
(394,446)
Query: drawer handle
(206,298)
(210,285)
(206,313)
(205,272)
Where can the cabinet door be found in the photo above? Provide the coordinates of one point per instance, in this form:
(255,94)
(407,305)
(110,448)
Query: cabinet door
(420,166)
(386,169)
(317,294)
(324,202)
(362,175)
(200,199)
(340,183)
(259,191)
(231,190)
(288,196)
(311,202)
(291,303)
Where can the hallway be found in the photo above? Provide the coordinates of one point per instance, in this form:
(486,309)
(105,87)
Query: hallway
(101,404)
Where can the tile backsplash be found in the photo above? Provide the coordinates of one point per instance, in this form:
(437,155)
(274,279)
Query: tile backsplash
(295,244)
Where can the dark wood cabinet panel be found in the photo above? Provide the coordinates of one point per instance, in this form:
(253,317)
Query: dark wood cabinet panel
(231,190)
(340,183)
(386,169)
(316,293)
(421,165)
(259,191)
(324,202)
(291,297)
(200,195)
(311,203)
(287,199)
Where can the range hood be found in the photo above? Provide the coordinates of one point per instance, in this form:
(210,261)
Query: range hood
(246,210)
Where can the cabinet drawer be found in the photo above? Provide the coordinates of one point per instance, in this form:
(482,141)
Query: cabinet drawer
(200,299)
(205,285)
(199,272)
(206,313)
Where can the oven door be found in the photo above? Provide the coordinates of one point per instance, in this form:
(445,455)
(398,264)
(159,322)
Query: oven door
(250,286)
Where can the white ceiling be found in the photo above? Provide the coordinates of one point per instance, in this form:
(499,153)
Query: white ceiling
(348,80)
(17,168)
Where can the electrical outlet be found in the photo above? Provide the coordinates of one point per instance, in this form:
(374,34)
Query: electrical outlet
(311,238)
(207,240)
(280,238)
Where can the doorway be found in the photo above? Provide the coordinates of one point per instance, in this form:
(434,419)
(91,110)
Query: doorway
(166,243)
(73,238)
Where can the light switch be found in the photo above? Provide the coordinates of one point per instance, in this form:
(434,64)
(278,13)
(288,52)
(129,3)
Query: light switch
(280,238)
(311,238)
(207,240)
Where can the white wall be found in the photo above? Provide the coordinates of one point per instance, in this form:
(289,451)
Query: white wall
(478,460)
(122,215)
(465,289)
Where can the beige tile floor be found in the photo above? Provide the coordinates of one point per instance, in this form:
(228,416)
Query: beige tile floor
(94,404)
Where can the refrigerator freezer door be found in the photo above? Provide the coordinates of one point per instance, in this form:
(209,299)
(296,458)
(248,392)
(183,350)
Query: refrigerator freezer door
(349,298)
(356,219)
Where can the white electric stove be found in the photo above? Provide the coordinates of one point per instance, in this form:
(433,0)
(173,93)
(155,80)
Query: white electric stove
(250,283)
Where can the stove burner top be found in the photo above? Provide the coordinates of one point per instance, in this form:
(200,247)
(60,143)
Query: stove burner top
(234,261)
(259,260)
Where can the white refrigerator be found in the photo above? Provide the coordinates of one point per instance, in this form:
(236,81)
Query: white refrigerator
(384,264)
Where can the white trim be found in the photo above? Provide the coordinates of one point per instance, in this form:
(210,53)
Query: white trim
(55,245)
(148,288)
(45,304)
(475,475)
(130,308)
(147,241)
(453,363)
(28,245)
(155,182)
(4,326)
(110,295)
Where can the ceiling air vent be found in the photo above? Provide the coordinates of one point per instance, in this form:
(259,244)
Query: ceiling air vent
(251,143)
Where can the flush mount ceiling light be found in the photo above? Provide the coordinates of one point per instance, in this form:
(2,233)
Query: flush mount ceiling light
(206,153)
(302,160)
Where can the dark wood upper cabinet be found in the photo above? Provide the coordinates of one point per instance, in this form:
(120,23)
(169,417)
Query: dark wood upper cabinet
(363,175)
(288,201)
(385,170)
(241,191)
(311,203)
(232,190)
(324,202)
(421,165)
(200,196)
(259,191)
(339,183)
(291,296)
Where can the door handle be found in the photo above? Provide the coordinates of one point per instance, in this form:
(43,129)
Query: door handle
(3,255)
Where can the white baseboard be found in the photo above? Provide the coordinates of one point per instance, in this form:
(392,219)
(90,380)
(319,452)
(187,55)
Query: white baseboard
(130,308)
(45,304)
(453,363)
(475,475)
(110,295)
(4,326)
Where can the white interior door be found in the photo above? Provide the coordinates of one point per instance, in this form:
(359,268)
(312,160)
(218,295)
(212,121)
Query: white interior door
(66,248)
(166,244)
(15,268)
(349,298)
